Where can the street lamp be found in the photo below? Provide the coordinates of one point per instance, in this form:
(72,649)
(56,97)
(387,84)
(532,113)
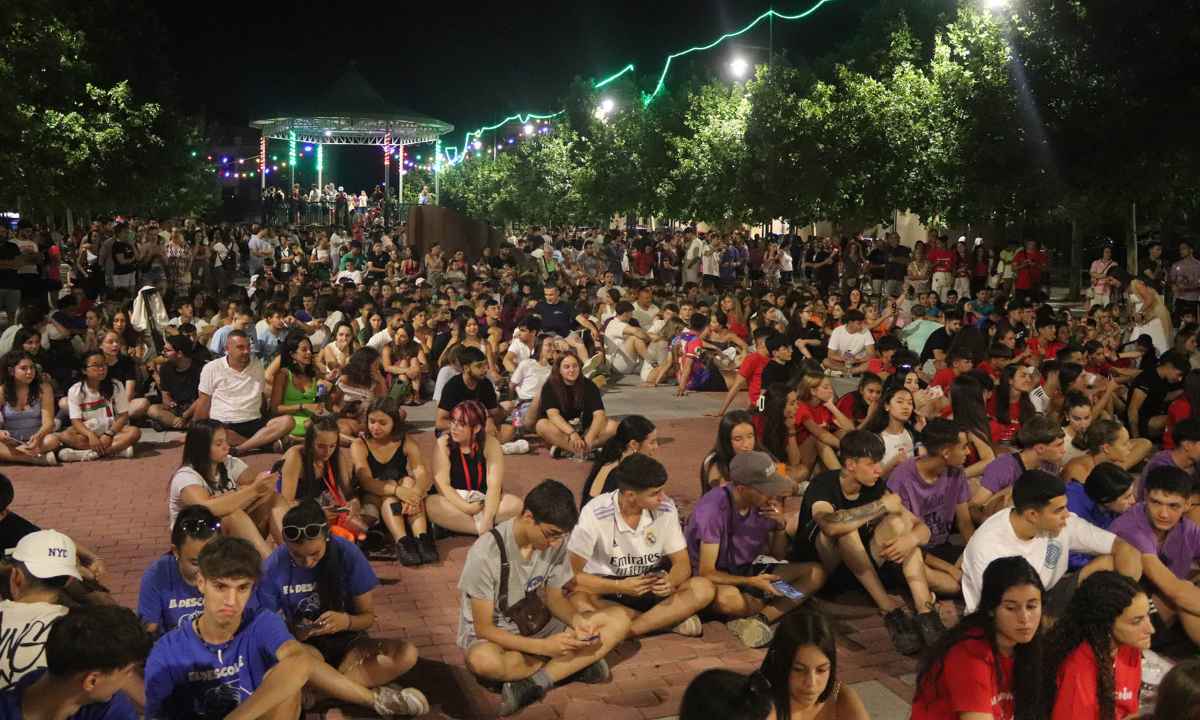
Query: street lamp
(739,67)
(606,106)
(996,5)
(528,129)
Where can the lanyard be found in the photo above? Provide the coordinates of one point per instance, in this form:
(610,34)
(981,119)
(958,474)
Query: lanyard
(467,473)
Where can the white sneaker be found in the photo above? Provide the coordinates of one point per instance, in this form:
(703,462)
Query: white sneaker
(516,447)
(592,365)
(127,452)
(691,627)
(50,458)
(73,455)
(391,702)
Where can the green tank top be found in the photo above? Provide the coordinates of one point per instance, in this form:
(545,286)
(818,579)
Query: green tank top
(293,395)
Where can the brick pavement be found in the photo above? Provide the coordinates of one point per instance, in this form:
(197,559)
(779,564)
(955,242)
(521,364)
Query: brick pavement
(119,508)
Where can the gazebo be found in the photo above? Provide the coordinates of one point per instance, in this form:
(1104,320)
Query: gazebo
(350,113)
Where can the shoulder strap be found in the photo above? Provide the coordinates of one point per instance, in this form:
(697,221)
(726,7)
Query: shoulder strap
(502,599)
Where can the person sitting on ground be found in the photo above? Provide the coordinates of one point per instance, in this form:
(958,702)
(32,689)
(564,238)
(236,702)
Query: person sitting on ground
(801,670)
(635,434)
(210,476)
(91,653)
(188,675)
(775,424)
(1185,456)
(27,412)
(989,664)
(523,344)
(1152,392)
(750,372)
(728,531)
(359,385)
(473,384)
(1178,693)
(1094,652)
(627,551)
(1105,494)
(625,344)
(573,421)
(1042,446)
(232,392)
(1040,529)
(736,434)
(468,476)
(893,421)
(1105,441)
(1170,544)
(99,412)
(935,489)
(178,380)
(393,489)
(324,588)
(320,470)
(524,561)
(528,379)
(295,391)
(728,695)
(851,345)
(168,594)
(849,518)
(42,564)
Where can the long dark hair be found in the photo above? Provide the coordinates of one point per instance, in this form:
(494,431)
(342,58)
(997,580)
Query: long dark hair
(197,453)
(330,586)
(878,422)
(804,627)
(722,453)
(1179,693)
(1191,391)
(358,368)
(631,428)
(291,343)
(11,359)
(107,384)
(391,407)
(999,577)
(970,411)
(311,486)
(775,425)
(1096,605)
(861,407)
(1004,392)
(570,397)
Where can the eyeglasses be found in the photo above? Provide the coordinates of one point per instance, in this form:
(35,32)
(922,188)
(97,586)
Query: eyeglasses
(312,531)
(551,535)
(200,528)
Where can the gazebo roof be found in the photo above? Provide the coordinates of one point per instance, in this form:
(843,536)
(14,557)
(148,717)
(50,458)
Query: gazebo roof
(352,112)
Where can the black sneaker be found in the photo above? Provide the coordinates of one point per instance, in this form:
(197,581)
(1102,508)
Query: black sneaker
(904,633)
(427,549)
(929,625)
(593,674)
(519,694)
(558,453)
(407,552)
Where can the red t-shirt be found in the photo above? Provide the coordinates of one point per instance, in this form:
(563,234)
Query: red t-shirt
(967,684)
(1028,277)
(1034,345)
(846,404)
(1076,699)
(986,366)
(738,329)
(1177,412)
(941,260)
(943,378)
(1004,433)
(817,413)
(751,370)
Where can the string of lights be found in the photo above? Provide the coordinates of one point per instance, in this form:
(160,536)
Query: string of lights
(453,156)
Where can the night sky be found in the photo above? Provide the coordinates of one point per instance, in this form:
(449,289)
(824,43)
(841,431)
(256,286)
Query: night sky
(466,63)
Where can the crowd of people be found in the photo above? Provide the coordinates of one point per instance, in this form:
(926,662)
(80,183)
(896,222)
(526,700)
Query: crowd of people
(916,424)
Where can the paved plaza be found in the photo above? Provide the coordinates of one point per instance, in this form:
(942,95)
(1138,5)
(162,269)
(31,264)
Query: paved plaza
(120,509)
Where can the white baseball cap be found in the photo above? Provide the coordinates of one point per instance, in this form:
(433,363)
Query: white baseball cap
(47,554)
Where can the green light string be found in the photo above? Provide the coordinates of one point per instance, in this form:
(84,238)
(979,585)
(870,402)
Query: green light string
(646,98)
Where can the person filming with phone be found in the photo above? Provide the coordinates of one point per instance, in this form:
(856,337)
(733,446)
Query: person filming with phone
(628,551)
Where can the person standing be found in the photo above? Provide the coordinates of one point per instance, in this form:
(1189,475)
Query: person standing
(1184,277)
(1029,264)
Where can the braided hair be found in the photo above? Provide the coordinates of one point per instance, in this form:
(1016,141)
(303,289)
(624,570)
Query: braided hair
(1096,605)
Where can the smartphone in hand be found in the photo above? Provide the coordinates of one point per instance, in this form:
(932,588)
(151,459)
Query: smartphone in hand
(788,590)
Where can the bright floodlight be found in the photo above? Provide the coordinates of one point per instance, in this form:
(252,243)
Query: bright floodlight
(476,144)
(607,105)
(739,67)
(996,5)
(528,129)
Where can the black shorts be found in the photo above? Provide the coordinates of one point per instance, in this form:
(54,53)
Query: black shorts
(333,648)
(750,570)
(247,429)
(946,552)
(637,603)
(804,549)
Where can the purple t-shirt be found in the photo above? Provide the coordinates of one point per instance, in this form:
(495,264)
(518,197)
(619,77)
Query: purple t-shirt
(1162,458)
(1002,472)
(715,521)
(1177,552)
(933,503)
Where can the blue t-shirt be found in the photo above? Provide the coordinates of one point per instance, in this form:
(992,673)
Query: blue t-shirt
(166,600)
(1088,509)
(188,679)
(118,707)
(292,590)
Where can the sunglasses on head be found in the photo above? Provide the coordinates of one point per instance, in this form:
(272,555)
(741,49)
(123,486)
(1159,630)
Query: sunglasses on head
(200,528)
(312,531)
